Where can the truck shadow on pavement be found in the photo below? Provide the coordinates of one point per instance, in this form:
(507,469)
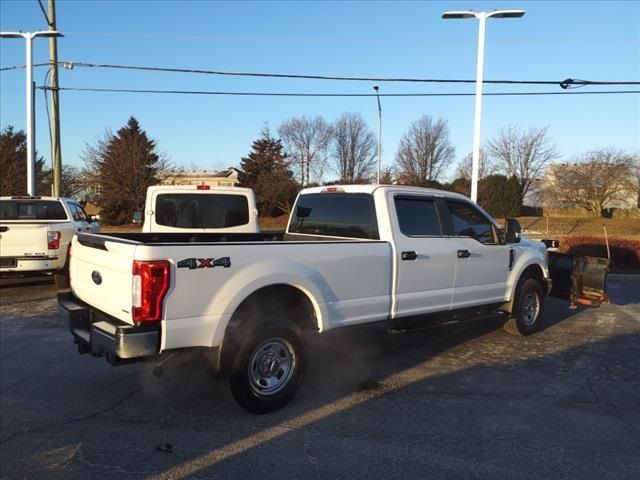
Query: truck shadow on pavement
(456,401)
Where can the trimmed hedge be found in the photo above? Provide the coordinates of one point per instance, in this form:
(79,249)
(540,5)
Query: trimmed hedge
(624,253)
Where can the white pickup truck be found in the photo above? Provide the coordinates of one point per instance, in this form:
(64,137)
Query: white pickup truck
(200,208)
(350,255)
(35,233)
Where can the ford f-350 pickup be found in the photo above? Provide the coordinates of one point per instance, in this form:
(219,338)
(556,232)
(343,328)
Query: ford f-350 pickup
(350,255)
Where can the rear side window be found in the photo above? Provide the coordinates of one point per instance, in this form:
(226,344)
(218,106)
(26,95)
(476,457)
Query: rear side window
(335,214)
(467,221)
(31,210)
(417,217)
(186,210)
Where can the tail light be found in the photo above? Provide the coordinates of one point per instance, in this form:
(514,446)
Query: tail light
(53,240)
(150,285)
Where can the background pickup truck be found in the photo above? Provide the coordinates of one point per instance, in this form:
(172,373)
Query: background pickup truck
(200,208)
(35,234)
(350,255)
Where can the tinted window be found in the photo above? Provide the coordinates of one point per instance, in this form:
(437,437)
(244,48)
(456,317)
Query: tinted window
(78,212)
(335,214)
(31,210)
(417,216)
(467,221)
(186,210)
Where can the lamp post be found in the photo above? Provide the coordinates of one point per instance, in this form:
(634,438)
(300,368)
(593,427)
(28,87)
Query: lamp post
(31,142)
(482,18)
(376,88)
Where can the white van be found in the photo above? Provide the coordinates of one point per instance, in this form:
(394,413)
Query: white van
(200,208)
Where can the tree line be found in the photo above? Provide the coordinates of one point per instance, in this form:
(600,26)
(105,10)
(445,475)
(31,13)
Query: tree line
(308,151)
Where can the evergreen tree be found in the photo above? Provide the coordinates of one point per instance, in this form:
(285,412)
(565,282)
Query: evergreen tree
(500,196)
(266,172)
(124,165)
(13,165)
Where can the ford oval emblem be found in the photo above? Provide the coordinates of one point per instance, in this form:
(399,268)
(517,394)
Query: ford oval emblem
(96,277)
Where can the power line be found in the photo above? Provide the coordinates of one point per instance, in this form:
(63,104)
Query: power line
(567,83)
(295,94)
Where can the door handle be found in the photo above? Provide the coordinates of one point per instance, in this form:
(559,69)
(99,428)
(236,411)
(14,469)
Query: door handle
(464,253)
(409,255)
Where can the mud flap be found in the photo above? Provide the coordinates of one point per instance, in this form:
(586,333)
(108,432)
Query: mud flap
(580,280)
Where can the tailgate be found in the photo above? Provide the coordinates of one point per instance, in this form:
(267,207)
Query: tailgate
(23,240)
(101,273)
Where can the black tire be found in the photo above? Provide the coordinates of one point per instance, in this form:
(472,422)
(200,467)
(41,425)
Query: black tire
(526,315)
(269,368)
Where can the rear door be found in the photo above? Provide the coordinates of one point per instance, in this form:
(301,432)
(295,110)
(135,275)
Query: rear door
(81,221)
(424,259)
(481,259)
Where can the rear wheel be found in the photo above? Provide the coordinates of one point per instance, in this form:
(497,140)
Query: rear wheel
(268,369)
(526,315)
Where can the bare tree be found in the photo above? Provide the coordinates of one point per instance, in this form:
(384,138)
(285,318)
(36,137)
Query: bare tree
(485,168)
(522,154)
(306,140)
(354,148)
(596,180)
(425,151)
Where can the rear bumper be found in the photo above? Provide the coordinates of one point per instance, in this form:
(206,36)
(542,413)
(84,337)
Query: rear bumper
(30,264)
(96,333)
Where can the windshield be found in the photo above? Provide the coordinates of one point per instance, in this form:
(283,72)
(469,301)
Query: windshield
(191,210)
(31,210)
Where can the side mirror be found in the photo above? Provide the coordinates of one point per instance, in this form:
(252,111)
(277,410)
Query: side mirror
(512,230)
(138,216)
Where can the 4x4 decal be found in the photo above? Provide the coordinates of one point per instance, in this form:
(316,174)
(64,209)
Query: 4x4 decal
(193,263)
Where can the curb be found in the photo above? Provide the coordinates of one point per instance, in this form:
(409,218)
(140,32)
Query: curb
(623,277)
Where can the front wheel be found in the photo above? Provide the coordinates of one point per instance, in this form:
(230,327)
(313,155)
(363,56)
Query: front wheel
(526,316)
(268,369)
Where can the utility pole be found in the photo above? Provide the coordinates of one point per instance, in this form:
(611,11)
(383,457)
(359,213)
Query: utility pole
(55,106)
(376,88)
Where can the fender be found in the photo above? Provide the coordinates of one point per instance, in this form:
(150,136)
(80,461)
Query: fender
(526,255)
(266,273)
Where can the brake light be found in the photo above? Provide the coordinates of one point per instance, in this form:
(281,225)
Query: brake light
(150,285)
(203,187)
(332,189)
(53,240)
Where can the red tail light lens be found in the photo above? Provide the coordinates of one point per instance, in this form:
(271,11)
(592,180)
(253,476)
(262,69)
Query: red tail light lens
(150,285)
(53,240)
(203,187)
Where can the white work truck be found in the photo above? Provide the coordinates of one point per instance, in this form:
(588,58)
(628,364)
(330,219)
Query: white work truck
(35,234)
(200,208)
(350,255)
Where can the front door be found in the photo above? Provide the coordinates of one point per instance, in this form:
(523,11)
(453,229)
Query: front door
(481,262)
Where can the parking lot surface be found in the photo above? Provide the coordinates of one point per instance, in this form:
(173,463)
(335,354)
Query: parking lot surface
(457,401)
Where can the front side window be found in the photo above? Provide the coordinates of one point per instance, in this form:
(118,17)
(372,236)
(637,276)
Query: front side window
(336,215)
(78,213)
(468,221)
(417,217)
(187,210)
(32,210)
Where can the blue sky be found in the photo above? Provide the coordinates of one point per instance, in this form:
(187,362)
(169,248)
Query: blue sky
(555,40)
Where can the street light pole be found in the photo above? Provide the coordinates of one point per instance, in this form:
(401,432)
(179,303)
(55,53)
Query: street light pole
(30,117)
(482,18)
(376,88)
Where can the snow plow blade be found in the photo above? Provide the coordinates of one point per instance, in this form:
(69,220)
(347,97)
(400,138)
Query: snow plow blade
(581,280)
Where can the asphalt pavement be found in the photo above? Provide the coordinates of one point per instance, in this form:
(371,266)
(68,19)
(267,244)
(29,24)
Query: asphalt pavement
(459,401)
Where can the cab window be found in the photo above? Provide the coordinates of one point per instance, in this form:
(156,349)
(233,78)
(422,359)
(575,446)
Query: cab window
(468,221)
(417,217)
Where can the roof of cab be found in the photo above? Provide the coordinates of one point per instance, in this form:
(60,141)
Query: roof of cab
(370,189)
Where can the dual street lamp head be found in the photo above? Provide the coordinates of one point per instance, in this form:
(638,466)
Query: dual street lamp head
(42,33)
(494,14)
